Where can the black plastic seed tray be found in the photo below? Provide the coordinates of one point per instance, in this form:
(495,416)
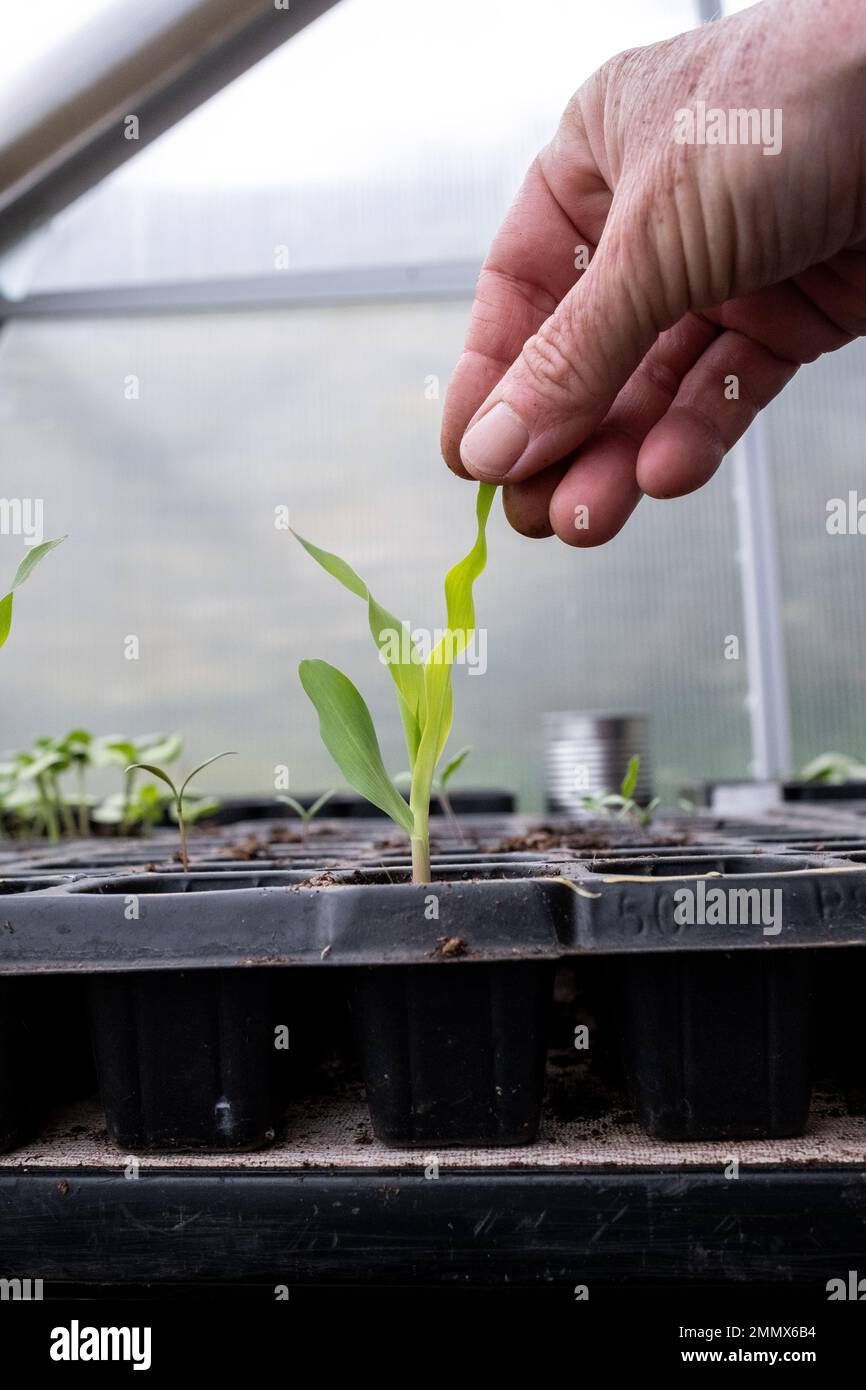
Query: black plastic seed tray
(711,941)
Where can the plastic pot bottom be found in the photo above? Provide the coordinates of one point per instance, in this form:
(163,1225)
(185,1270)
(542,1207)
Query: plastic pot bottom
(454,1054)
(719,1046)
(185,1059)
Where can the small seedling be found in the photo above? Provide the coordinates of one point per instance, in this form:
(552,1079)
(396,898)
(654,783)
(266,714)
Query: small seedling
(24,570)
(146,808)
(622,803)
(424,693)
(308,813)
(182,812)
(77,749)
(834,769)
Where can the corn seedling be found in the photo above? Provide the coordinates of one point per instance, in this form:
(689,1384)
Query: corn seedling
(423,687)
(184,813)
(622,804)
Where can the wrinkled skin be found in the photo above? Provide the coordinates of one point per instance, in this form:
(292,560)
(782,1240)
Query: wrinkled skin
(711,261)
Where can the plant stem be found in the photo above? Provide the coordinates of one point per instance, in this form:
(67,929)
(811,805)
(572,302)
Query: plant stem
(445,803)
(128,784)
(83,809)
(47,811)
(184,854)
(420,858)
(63,808)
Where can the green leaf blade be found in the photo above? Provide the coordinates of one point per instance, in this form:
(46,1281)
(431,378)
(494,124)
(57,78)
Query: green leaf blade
(5,618)
(460,606)
(392,640)
(629,781)
(347,732)
(155,772)
(230,753)
(453,764)
(337,568)
(32,558)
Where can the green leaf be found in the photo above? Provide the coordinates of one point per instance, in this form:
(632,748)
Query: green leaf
(645,814)
(451,767)
(296,806)
(320,802)
(629,781)
(196,770)
(113,750)
(407,674)
(156,772)
(5,618)
(348,734)
(834,768)
(335,567)
(44,763)
(460,605)
(28,564)
(32,558)
(159,748)
(195,808)
(111,811)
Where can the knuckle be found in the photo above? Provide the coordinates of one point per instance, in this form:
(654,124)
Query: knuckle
(552,363)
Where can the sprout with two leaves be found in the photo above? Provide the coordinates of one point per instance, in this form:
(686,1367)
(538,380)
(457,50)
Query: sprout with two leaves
(623,802)
(834,769)
(185,812)
(423,688)
(307,813)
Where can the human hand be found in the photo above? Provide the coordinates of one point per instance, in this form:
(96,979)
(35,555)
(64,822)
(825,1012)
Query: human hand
(719,269)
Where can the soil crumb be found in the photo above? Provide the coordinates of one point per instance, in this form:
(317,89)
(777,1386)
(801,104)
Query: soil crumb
(450,946)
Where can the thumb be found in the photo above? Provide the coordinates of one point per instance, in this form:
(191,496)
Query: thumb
(569,372)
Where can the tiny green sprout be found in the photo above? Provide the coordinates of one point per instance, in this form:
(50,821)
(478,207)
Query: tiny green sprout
(308,813)
(182,813)
(423,687)
(834,769)
(24,570)
(623,802)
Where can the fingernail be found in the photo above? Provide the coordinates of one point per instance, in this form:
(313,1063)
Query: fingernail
(493,445)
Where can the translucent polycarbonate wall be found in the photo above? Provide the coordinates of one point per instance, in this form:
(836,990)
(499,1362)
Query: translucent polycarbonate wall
(388,130)
(815,440)
(164,447)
